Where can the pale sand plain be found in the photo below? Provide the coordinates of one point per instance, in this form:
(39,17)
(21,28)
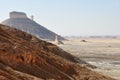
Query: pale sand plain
(101,52)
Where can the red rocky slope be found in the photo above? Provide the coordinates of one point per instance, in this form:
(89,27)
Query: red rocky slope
(24,57)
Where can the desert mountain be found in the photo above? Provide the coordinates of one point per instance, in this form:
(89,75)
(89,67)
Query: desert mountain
(25,57)
(19,20)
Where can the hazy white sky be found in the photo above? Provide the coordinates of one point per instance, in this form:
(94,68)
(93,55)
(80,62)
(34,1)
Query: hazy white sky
(70,17)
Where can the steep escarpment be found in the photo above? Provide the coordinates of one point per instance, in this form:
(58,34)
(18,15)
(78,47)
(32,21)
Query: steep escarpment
(19,20)
(24,57)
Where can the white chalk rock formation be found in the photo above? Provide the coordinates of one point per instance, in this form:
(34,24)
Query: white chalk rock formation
(15,14)
(20,21)
(57,41)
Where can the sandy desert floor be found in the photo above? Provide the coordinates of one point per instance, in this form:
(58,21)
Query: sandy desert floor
(101,52)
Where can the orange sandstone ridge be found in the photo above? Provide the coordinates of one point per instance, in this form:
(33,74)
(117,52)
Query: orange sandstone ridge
(24,57)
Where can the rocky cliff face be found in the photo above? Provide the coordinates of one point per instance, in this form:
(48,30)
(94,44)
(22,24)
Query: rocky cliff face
(24,57)
(19,20)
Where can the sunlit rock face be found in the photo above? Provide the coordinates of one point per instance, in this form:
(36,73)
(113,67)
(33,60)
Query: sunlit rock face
(25,57)
(19,20)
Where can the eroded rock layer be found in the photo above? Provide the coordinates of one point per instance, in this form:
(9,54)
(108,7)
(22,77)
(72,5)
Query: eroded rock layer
(24,57)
